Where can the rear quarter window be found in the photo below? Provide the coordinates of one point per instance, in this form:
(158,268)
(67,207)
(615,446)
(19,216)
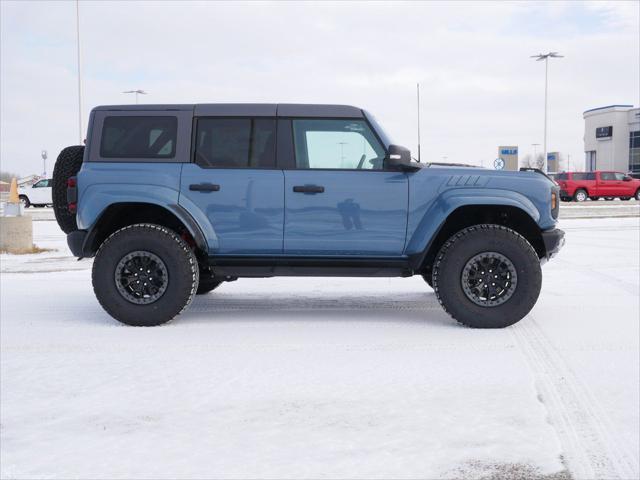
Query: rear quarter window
(139,137)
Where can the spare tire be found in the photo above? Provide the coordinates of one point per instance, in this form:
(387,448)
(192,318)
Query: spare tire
(67,165)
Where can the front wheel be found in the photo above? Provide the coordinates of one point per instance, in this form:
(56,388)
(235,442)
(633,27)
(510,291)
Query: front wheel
(144,275)
(637,195)
(24,200)
(580,195)
(487,276)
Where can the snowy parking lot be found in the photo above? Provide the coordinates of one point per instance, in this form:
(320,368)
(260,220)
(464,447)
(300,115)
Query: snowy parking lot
(324,377)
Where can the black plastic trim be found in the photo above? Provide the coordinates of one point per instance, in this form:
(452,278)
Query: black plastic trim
(76,241)
(309,266)
(553,241)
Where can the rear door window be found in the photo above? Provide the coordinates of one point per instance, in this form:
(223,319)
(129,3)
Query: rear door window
(139,137)
(236,143)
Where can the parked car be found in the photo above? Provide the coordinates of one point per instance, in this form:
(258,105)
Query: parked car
(38,194)
(173,200)
(579,186)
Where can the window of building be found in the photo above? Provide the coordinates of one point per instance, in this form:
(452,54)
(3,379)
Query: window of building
(634,151)
(139,137)
(590,160)
(236,143)
(337,144)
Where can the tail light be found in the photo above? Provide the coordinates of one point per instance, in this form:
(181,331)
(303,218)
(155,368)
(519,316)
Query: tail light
(72,194)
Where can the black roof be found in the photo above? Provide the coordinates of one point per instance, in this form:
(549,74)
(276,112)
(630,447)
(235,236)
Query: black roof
(249,109)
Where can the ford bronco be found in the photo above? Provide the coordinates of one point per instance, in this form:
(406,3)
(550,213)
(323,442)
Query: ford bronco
(173,200)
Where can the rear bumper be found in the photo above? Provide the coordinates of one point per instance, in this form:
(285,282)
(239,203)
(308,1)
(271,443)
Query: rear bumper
(553,241)
(76,240)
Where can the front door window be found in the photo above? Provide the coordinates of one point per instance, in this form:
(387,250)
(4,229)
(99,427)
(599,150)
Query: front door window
(336,144)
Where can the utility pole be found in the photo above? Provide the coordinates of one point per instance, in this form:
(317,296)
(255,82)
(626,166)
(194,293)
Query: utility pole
(545,57)
(79,73)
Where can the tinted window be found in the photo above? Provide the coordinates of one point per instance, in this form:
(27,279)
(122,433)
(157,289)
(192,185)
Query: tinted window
(139,137)
(236,142)
(41,183)
(607,176)
(584,176)
(619,176)
(561,176)
(336,144)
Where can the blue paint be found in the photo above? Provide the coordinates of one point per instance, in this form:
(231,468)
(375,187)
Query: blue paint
(359,213)
(246,216)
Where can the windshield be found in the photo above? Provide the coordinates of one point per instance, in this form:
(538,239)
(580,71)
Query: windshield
(379,130)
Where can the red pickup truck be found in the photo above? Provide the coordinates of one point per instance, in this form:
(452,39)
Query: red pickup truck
(579,186)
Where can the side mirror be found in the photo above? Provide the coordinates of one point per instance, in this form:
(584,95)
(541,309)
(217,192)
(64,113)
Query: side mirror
(399,158)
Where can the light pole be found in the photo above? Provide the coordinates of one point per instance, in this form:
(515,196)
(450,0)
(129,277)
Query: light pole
(535,152)
(137,92)
(545,57)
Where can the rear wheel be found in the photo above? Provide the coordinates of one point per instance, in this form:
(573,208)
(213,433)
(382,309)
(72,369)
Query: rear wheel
(487,276)
(24,200)
(144,275)
(637,195)
(580,195)
(67,165)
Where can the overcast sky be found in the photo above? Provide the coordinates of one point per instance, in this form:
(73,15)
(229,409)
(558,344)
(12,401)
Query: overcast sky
(479,87)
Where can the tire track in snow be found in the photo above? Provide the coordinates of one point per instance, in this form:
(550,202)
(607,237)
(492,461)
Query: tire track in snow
(590,450)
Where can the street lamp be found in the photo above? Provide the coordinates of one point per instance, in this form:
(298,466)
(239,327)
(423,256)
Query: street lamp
(137,92)
(545,57)
(44,155)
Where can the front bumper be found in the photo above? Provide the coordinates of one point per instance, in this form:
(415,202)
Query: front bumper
(553,241)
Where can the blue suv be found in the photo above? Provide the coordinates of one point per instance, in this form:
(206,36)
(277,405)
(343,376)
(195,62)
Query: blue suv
(173,200)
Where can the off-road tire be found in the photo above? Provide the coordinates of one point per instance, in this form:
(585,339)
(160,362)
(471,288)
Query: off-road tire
(25,201)
(67,165)
(456,252)
(577,195)
(182,273)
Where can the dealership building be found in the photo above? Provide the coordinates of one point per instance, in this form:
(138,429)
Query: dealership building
(612,138)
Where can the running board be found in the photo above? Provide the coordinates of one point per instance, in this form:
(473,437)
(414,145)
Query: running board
(259,267)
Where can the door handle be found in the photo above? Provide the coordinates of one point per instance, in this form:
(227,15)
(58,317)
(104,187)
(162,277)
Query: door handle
(204,187)
(308,189)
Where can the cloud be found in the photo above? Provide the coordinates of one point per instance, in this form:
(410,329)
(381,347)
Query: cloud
(479,88)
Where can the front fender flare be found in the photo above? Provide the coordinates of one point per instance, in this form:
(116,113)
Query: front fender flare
(450,200)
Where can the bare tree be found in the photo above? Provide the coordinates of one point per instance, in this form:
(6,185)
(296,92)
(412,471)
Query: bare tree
(529,161)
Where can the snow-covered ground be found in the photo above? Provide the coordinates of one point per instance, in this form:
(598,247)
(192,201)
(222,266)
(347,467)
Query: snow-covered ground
(313,377)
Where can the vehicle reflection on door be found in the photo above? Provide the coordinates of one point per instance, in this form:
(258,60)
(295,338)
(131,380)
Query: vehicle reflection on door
(249,219)
(350,213)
